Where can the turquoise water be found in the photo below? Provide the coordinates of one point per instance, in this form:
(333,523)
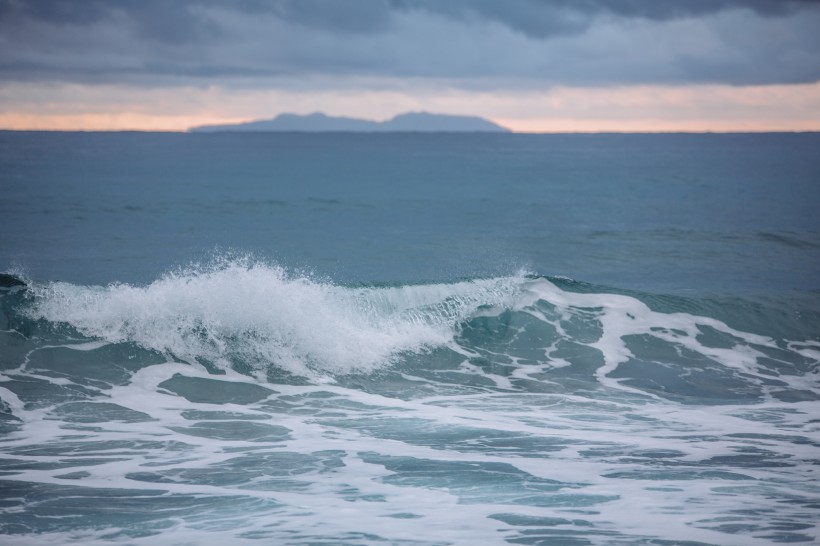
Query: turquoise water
(409,339)
(717,213)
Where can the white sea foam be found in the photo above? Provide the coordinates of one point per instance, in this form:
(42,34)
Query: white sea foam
(621,316)
(260,314)
(623,480)
(446,466)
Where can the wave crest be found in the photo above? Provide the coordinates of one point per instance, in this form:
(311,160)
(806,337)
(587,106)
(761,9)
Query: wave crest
(260,314)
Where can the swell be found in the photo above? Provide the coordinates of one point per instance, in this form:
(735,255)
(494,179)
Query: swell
(519,332)
(260,314)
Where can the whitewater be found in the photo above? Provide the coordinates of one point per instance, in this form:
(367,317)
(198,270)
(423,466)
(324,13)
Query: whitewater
(491,410)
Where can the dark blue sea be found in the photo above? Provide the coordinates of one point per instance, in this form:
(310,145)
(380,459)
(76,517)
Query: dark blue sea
(409,339)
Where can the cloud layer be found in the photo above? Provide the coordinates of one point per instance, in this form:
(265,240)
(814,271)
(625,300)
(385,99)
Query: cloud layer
(532,65)
(467,44)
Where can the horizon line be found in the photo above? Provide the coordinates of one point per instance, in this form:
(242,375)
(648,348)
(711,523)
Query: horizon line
(506,132)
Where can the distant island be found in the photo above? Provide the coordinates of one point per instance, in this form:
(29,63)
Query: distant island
(318,122)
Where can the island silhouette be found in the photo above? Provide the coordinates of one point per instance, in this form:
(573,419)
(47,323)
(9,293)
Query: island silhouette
(319,122)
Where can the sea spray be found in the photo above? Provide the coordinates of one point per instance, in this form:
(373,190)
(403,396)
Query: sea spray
(260,314)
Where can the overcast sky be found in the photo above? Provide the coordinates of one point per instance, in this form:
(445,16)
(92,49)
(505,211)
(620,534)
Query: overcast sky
(529,64)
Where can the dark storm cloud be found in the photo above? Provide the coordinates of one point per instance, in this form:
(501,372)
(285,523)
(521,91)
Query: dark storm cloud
(180,20)
(165,19)
(489,43)
(153,19)
(545,18)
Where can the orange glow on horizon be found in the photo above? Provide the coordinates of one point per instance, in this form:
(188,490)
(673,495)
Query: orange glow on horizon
(654,126)
(132,122)
(125,121)
(705,108)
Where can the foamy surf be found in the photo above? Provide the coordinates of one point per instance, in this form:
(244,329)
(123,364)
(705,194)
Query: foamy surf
(242,402)
(513,331)
(259,315)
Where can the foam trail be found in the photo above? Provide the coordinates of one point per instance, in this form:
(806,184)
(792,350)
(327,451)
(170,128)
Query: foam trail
(621,316)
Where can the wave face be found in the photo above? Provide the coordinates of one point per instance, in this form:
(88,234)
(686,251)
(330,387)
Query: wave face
(254,315)
(240,402)
(260,319)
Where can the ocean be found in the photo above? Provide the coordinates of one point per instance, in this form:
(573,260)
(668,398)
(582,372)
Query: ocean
(409,339)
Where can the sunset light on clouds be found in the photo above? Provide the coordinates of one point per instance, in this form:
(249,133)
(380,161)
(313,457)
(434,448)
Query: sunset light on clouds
(733,65)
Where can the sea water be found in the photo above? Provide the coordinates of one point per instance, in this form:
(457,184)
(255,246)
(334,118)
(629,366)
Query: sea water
(420,339)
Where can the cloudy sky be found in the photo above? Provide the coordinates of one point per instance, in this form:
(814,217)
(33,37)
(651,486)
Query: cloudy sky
(531,65)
